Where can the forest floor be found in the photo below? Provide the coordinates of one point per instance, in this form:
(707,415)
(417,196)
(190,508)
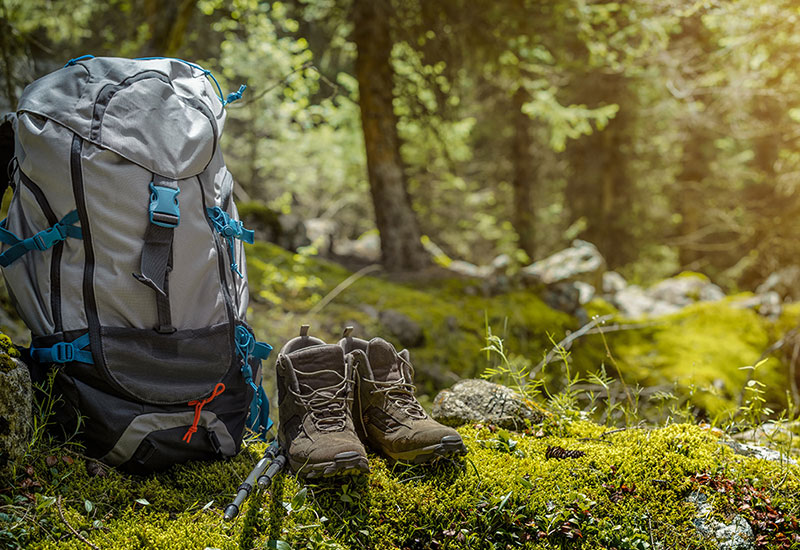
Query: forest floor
(614,464)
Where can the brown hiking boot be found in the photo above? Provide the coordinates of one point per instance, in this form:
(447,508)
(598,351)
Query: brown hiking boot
(315,397)
(391,418)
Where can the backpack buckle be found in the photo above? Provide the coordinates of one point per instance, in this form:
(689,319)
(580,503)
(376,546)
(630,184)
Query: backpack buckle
(63,352)
(164,209)
(48,237)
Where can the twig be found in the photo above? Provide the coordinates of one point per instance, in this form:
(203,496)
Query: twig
(622,430)
(568,340)
(342,286)
(282,80)
(71,528)
(629,326)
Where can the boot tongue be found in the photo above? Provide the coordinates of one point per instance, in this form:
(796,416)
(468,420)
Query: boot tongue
(383,360)
(319,367)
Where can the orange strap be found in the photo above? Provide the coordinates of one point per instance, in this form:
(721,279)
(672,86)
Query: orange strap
(198,407)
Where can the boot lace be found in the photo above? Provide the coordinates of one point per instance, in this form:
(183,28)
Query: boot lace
(328,406)
(401,393)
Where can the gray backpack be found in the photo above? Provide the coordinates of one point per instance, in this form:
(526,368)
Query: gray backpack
(123,254)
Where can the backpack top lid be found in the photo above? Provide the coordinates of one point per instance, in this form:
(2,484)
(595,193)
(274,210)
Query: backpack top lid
(161,114)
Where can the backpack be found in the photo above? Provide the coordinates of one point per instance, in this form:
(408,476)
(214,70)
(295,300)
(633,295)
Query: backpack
(123,253)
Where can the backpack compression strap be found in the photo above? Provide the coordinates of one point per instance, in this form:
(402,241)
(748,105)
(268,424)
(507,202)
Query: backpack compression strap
(246,346)
(165,215)
(64,352)
(41,241)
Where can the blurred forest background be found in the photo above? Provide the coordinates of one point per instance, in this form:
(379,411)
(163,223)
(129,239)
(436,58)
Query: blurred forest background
(666,132)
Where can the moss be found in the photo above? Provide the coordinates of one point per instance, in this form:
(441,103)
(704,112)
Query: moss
(451,312)
(699,352)
(258,212)
(629,485)
(7,352)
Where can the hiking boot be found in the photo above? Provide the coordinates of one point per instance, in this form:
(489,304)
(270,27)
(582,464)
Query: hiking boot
(315,398)
(388,415)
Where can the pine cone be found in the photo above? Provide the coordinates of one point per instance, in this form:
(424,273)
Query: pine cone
(560,452)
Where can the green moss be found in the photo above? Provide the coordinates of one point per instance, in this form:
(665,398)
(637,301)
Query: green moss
(7,352)
(629,484)
(451,312)
(702,350)
(258,212)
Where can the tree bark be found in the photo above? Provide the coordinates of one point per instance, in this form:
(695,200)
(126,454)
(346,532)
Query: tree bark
(524,178)
(167,21)
(397,223)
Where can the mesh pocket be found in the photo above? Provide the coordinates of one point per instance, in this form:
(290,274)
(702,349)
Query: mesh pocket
(167,369)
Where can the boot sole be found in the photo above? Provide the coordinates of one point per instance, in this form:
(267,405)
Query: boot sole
(448,446)
(347,463)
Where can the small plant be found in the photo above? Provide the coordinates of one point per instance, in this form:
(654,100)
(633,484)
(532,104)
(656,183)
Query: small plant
(754,408)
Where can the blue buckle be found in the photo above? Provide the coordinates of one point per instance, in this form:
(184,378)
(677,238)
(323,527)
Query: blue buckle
(164,209)
(50,236)
(63,352)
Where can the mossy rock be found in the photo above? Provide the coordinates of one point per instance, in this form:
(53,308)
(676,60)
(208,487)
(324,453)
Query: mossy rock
(453,313)
(16,408)
(696,354)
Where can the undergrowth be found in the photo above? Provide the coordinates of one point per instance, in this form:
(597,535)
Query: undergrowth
(623,487)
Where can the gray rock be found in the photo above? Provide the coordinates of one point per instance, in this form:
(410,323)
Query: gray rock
(757,451)
(367,247)
(736,535)
(581,262)
(685,290)
(469,270)
(501,263)
(320,232)
(666,297)
(769,432)
(785,282)
(767,304)
(634,302)
(613,282)
(585,292)
(16,412)
(292,232)
(402,327)
(476,400)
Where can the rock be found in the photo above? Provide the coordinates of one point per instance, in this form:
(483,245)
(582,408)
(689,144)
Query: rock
(685,289)
(501,263)
(767,304)
(613,282)
(756,451)
(475,400)
(16,408)
(403,328)
(634,302)
(292,232)
(785,282)
(569,297)
(581,262)
(736,535)
(665,297)
(367,247)
(469,270)
(563,296)
(585,292)
(320,232)
(769,433)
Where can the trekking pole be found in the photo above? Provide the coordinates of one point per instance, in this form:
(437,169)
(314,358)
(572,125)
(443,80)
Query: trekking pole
(232,509)
(276,466)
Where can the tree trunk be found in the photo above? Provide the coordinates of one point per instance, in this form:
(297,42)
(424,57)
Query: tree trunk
(524,178)
(167,21)
(400,235)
